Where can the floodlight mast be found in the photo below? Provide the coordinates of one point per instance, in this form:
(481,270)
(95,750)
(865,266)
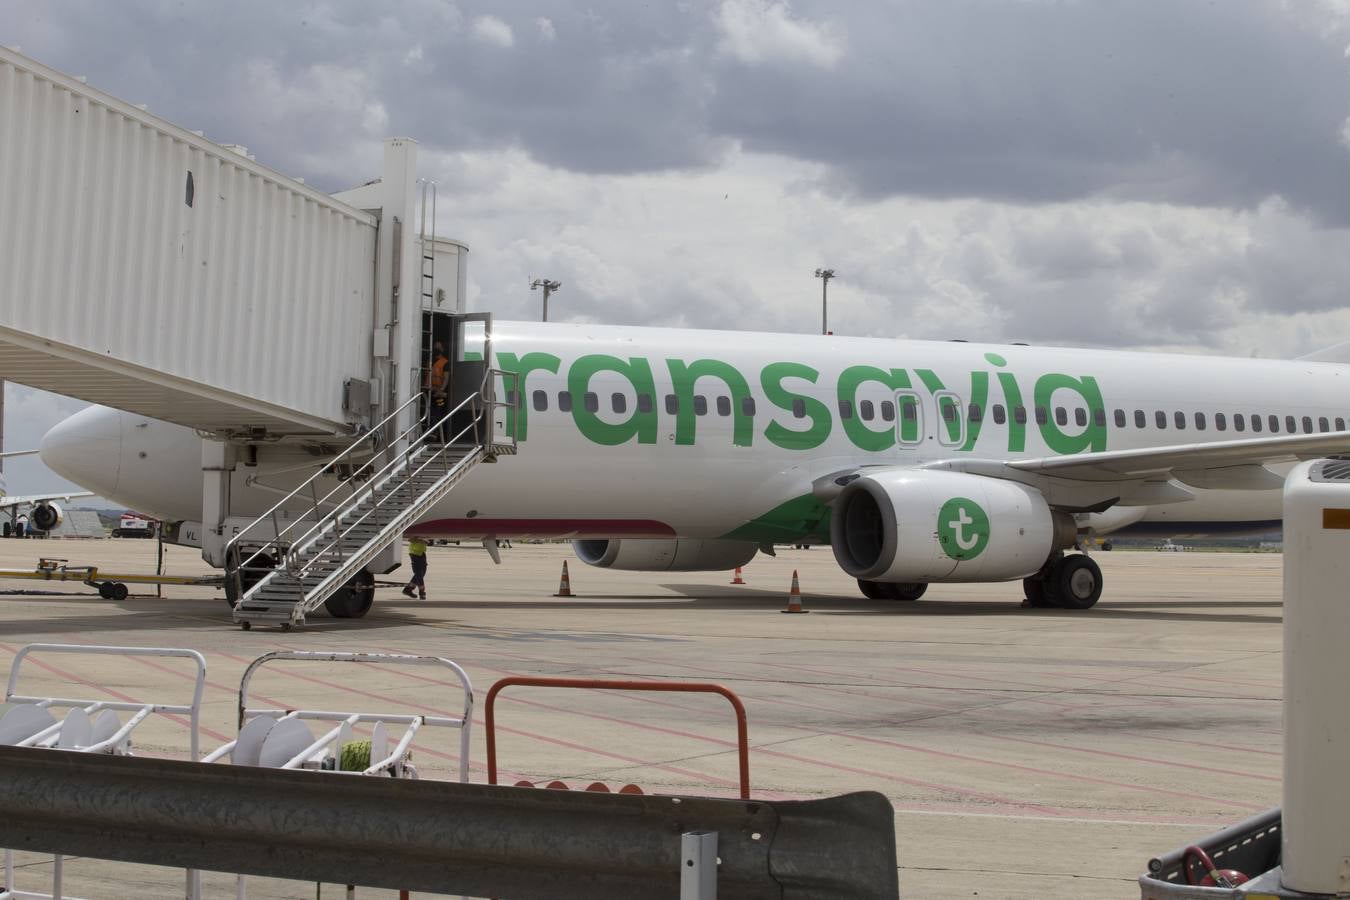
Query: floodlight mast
(824,275)
(549,287)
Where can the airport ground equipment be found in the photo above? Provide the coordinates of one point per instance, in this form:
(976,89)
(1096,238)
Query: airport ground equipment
(604,684)
(281,573)
(282,738)
(436,836)
(110,585)
(88,726)
(1303,848)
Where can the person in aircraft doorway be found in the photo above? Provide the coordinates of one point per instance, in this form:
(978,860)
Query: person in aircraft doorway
(438,386)
(417,552)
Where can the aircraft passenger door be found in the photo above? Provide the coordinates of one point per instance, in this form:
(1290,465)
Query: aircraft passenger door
(929,422)
(469,354)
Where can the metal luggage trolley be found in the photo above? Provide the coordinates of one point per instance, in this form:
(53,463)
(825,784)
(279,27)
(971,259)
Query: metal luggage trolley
(282,738)
(88,726)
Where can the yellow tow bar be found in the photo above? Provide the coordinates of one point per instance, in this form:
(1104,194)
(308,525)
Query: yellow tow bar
(110,586)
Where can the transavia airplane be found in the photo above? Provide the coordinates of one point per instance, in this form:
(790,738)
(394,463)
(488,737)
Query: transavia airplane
(918,462)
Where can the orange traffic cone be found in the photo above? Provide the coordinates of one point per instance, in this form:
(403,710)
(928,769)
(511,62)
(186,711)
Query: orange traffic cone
(565,584)
(795,597)
(737,579)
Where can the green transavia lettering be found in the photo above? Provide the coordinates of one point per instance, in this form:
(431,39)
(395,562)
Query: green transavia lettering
(877,408)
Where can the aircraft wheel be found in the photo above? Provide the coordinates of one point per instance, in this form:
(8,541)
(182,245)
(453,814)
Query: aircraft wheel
(1079,582)
(105,590)
(873,590)
(903,591)
(353,600)
(119,592)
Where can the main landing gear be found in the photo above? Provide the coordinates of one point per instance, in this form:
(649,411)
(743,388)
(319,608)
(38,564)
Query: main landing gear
(886,590)
(1068,582)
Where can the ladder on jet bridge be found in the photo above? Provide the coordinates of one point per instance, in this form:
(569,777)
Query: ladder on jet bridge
(279,574)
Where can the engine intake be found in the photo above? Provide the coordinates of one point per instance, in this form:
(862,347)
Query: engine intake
(906,525)
(665,556)
(45,516)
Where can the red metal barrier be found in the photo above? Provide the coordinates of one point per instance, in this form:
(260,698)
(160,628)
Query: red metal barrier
(600,684)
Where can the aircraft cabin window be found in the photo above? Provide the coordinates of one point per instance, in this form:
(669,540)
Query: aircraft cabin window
(1061,416)
(1290,425)
(1220,422)
(1340,424)
(887,411)
(700,405)
(1322,424)
(644,403)
(1199,421)
(845,409)
(949,411)
(511,398)
(976,414)
(619,402)
(672,404)
(1020,415)
(748,406)
(1080,416)
(866,411)
(1256,422)
(1139,420)
(724,406)
(1239,423)
(1120,418)
(1307,425)
(1000,415)
(799,408)
(591,401)
(1275,424)
(1180,418)
(1160,418)
(540,401)
(909,410)
(1042,415)
(564,401)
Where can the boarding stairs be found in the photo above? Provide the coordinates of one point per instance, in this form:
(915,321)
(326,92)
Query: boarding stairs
(281,568)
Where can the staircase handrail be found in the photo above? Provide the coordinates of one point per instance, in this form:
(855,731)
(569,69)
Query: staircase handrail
(279,547)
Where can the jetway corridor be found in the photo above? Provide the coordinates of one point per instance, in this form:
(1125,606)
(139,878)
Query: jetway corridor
(149,269)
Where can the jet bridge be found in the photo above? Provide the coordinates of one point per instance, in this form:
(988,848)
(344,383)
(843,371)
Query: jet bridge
(147,268)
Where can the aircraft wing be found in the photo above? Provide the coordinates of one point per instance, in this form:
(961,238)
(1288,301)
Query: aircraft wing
(7,501)
(1179,460)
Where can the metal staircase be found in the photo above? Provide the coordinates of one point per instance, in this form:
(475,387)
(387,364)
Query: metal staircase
(282,567)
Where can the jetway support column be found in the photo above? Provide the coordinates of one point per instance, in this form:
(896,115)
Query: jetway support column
(218,462)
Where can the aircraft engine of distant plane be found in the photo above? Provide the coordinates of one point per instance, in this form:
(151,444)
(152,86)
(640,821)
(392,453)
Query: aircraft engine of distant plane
(900,525)
(665,556)
(45,516)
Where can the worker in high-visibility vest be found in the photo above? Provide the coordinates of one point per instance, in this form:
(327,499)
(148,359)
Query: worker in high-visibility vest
(417,552)
(438,388)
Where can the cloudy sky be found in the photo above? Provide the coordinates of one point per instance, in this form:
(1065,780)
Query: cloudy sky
(1164,174)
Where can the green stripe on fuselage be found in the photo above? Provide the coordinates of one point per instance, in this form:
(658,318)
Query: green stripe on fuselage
(802,518)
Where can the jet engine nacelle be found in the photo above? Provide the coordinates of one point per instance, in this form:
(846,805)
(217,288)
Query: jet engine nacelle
(665,556)
(906,525)
(45,516)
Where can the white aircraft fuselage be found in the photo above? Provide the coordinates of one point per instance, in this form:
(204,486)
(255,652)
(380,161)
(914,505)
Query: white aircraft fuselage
(756,419)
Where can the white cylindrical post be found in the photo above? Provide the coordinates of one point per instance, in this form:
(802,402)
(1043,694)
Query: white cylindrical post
(1316,829)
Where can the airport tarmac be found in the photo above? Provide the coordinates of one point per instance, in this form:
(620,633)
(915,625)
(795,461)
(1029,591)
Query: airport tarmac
(1028,753)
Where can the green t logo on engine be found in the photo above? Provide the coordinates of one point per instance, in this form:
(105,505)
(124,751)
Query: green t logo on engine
(962,528)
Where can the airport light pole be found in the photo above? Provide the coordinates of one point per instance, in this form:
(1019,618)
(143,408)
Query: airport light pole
(549,287)
(824,275)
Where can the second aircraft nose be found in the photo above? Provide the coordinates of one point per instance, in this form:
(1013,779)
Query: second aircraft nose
(87,449)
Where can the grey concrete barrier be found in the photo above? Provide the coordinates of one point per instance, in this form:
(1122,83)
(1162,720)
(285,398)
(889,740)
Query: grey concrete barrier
(435,836)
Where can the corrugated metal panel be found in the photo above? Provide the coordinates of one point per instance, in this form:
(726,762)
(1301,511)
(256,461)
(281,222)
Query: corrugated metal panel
(246,288)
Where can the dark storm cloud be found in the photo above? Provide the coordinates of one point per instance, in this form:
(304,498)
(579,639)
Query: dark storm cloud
(1181,101)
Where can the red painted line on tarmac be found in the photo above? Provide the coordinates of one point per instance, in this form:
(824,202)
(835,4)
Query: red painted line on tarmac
(1144,759)
(1047,772)
(1154,737)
